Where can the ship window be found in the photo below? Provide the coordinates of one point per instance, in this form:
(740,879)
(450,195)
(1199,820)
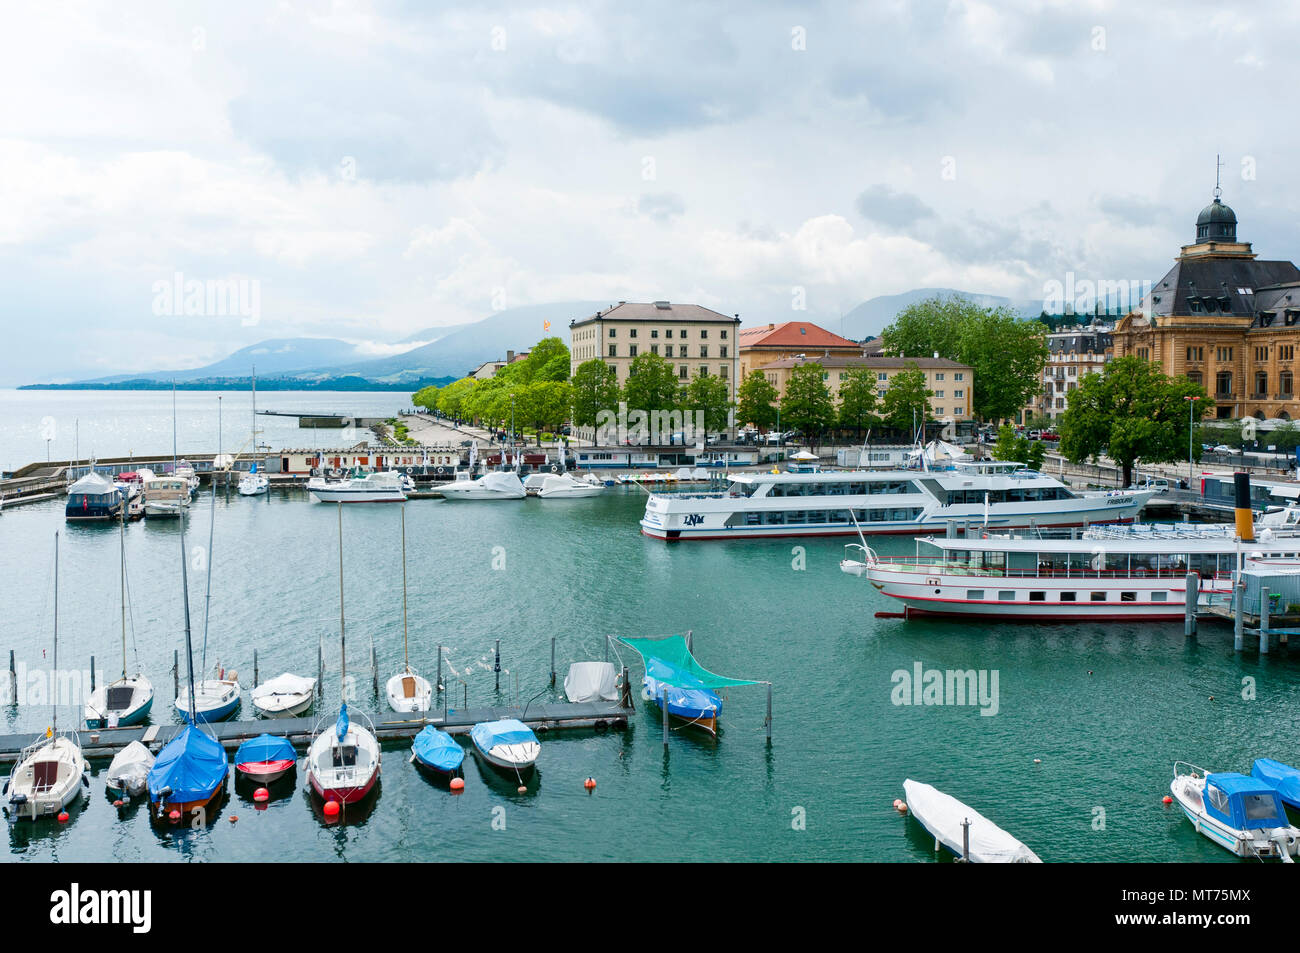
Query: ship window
(1128,597)
(1098,597)
(975,595)
(1037,597)
(773,519)
(1007,595)
(1219,800)
(1159,597)
(816,516)
(1068,596)
(1259,807)
(796,516)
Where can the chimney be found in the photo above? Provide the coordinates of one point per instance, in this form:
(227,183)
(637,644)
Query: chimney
(510,356)
(771,326)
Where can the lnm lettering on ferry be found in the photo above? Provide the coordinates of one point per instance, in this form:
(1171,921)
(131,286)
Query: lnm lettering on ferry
(649,427)
(933,686)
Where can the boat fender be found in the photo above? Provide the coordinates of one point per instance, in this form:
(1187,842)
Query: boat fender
(442,469)
(900,805)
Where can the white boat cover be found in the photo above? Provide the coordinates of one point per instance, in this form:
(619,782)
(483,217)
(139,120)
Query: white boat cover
(699,473)
(942,815)
(130,768)
(590,681)
(286,684)
(684,473)
(92,484)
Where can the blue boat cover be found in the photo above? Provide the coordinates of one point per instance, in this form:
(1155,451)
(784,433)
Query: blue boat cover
(265,748)
(341,726)
(508,731)
(672,652)
(1281,777)
(683,702)
(437,749)
(1243,803)
(192,764)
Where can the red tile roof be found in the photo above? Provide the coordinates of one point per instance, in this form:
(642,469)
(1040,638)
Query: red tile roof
(793,334)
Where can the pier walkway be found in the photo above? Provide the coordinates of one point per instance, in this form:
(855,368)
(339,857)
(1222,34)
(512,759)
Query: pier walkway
(389,726)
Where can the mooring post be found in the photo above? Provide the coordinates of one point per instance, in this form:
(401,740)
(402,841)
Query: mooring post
(690,641)
(256,680)
(320,668)
(439,682)
(1239,615)
(92,673)
(607,648)
(663,703)
(1263,620)
(552,661)
(13,679)
(965,841)
(627,690)
(1193,582)
(769,713)
(496,665)
(374,668)
(176,673)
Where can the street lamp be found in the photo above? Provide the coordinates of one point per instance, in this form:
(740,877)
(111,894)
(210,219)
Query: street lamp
(1191,406)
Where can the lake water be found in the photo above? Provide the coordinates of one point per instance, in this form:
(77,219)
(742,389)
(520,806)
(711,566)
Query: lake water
(1103,709)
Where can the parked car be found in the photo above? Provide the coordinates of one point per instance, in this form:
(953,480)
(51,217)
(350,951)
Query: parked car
(1224,448)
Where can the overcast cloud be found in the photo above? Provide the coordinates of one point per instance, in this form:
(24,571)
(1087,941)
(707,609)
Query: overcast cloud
(378,168)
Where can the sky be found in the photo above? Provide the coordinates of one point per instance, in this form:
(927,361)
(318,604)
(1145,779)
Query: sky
(366,170)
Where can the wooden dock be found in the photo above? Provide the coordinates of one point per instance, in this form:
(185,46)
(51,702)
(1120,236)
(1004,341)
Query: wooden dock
(389,726)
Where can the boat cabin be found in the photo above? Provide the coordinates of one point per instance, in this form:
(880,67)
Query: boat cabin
(1243,803)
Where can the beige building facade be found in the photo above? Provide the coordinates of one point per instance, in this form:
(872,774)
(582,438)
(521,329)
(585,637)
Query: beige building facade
(949,382)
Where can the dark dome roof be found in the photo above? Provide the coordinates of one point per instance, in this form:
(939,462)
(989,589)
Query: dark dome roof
(1216,213)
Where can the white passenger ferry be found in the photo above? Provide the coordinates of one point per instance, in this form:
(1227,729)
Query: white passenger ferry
(1132,576)
(827,503)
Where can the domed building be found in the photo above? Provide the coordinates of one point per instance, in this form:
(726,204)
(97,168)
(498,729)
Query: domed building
(1225,319)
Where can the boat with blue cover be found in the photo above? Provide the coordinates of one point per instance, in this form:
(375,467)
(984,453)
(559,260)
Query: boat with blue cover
(1281,777)
(437,751)
(508,745)
(265,758)
(1240,813)
(674,678)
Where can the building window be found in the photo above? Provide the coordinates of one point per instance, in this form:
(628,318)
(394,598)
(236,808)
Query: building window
(632,333)
(613,350)
(631,352)
(724,334)
(682,372)
(1285,352)
(959,376)
(957,411)
(1194,377)
(654,333)
(938,411)
(1284,384)
(880,393)
(938,393)
(704,370)
(1223,384)
(680,334)
(704,350)
(668,350)
(1144,353)
(1261,353)
(882,376)
(654,348)
(723,350)
(704,333)
(1195,354)
(722,371)
(1261,384)
(1223,354)
(957,393)
(613,332)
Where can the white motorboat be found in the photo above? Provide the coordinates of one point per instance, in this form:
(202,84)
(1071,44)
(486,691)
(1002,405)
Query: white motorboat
(508,745)
(379,487)
(285,696)
(995,495)
(591,682)
(1242,814)
(183,470)
(128,699)
(165,496)
(533,483)
(964,831)
(344,758)
(128,773)
(568,486)
(497,485)
(51,771)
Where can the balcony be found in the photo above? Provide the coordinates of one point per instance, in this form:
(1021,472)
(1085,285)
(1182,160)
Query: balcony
(1223,395)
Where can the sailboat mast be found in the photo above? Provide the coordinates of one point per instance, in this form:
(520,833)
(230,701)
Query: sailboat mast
(212,525)
(174,426)
(189,648)
(122,540)
(254,410)
(54,695)
(406,648)
(343,649)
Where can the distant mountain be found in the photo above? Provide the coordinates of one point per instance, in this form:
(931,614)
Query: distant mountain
(272,358)
(874,315)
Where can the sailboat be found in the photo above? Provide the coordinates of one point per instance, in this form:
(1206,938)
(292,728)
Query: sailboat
(189,774)
(407,690)
(254,483)
(343,760)
(216,698)
(51,770)
(127,700)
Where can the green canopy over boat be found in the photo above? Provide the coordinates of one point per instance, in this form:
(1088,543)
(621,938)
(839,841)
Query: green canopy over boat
(672,650)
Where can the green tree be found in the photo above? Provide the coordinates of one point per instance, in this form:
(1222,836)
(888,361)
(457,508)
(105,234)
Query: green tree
(807,405)
(452,398)
(1131,412)
(1017,449)
(757,401)
(595,388)
(652,384)
(858,399)
(1006,352)
(710,393)
(426,397)
(907,399)
(544,404)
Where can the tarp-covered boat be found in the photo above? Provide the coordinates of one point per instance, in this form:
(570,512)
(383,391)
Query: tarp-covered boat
(437,751)
(1281,777)
(943,815)
(674,678)
(284,696)
(189,773)
(591,682)
(1242,814)
(265,758)
(507,744)
(128,774)
(93,497)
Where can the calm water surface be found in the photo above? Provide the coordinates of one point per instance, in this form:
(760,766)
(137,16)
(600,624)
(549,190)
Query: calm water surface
(1104,708)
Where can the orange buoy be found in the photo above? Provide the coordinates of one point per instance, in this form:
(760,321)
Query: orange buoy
(589,784)
(457,785)
(118,803)
(523,789)
(233,818)
(1038,761)
(63,817)
(900,805)
(261,794)
(331,808)
(1168,799)
(174,815)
